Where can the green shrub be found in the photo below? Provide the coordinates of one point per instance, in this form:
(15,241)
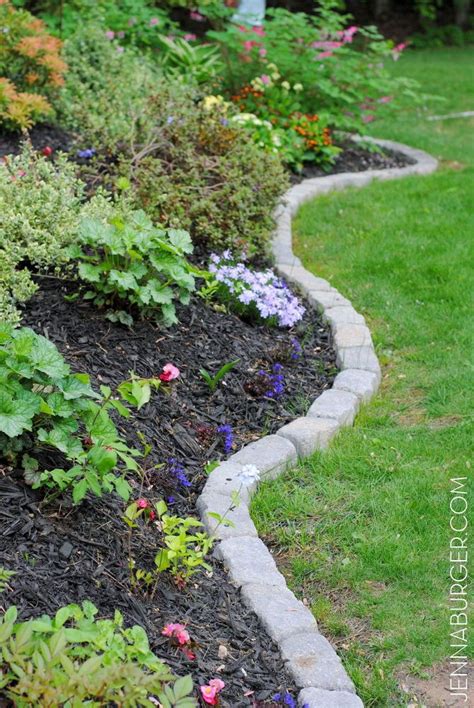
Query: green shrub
(129,262)
(197,171)
(74,659)
(31,68)
(40,203)
(106,92)
(44,406)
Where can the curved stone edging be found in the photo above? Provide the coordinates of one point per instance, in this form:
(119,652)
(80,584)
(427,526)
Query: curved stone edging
(310,659)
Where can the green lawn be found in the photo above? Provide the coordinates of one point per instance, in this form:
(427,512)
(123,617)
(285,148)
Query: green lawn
(362,531)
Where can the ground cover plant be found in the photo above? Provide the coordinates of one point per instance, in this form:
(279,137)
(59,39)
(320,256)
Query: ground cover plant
(363,530)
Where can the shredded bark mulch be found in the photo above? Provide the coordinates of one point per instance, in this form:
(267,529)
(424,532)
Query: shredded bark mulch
(63,554)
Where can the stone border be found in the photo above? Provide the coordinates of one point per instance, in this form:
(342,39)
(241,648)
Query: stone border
(310,659)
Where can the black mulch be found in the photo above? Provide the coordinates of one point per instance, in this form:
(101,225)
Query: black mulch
(355,158)
(64,554)
(41,136)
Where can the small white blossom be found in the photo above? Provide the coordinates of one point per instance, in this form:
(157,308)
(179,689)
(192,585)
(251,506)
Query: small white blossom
(249,474)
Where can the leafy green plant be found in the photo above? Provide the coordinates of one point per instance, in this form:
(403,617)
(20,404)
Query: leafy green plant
(130,262)
(194,168)
(74,659)
(183,553)
(5,576)
(40,207)
(43,406)
(341,68)
(31,68)
(214,380)
(190,63)
(106,91)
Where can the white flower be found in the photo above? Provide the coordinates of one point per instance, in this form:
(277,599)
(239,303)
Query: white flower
(285,85)
(298,87)
(249,474)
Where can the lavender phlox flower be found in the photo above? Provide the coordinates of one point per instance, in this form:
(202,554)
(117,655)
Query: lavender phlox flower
(249,474)
(269,294)
(226,431)
(297,349)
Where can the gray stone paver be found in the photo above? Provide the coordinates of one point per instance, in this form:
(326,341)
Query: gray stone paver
(312,661)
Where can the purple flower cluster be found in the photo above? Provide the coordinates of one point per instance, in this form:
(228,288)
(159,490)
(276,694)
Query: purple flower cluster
(87,153)
(262,289)
(276,381)
(226,431)
(286,699)
(176,469)
(297,349)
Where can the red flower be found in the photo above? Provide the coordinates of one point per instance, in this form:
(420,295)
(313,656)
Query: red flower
(170,372)
(47,151)
(142,503)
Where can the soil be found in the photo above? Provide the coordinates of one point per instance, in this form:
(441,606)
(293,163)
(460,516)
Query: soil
(63,554)
(355,158)
(41,136)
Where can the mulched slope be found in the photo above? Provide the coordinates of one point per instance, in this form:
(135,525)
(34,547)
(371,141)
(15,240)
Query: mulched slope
(64,554)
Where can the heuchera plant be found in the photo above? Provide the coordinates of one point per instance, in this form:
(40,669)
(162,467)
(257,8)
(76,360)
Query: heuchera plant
(130,263)
(258,294)
(43,405)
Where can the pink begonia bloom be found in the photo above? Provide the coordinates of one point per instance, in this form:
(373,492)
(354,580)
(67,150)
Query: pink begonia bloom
(170,372)
(368,118)
(324,55)
(178,631)
(249,45)
(347,34)
(258,30)
(385,99)
(154,21)
(209,695)
(217,684)
(120,49)
(396,51)
(142,503)
(262,52)
(189,37)
(110,34)
(265,79)
(196,16)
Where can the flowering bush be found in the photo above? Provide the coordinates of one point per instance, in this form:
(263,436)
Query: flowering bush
(47,660)
(193,168)
(129,262)
(258,294)
(272,111)
(338,66)
(31,68)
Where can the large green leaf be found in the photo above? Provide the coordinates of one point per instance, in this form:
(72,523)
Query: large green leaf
(73,387)
(181,240)
(45,357)
(89,272)
(16,415)
(123,279)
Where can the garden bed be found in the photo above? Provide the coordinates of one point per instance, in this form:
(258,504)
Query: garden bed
(63,554)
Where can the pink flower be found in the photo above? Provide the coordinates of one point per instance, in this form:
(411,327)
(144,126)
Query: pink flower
(258,30)
(154,21)
(368,118)
(396,51)
(262,52)
(177,631)
(170,372)
(196,16)
(209,695)
(120,35)
(326,45)
(110,34)
(265,79)
(189,37)
(324,55)
(120,50)
(142,503)
(385,99)
(347,34)
(210,691)
(217,684)
(249,45)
